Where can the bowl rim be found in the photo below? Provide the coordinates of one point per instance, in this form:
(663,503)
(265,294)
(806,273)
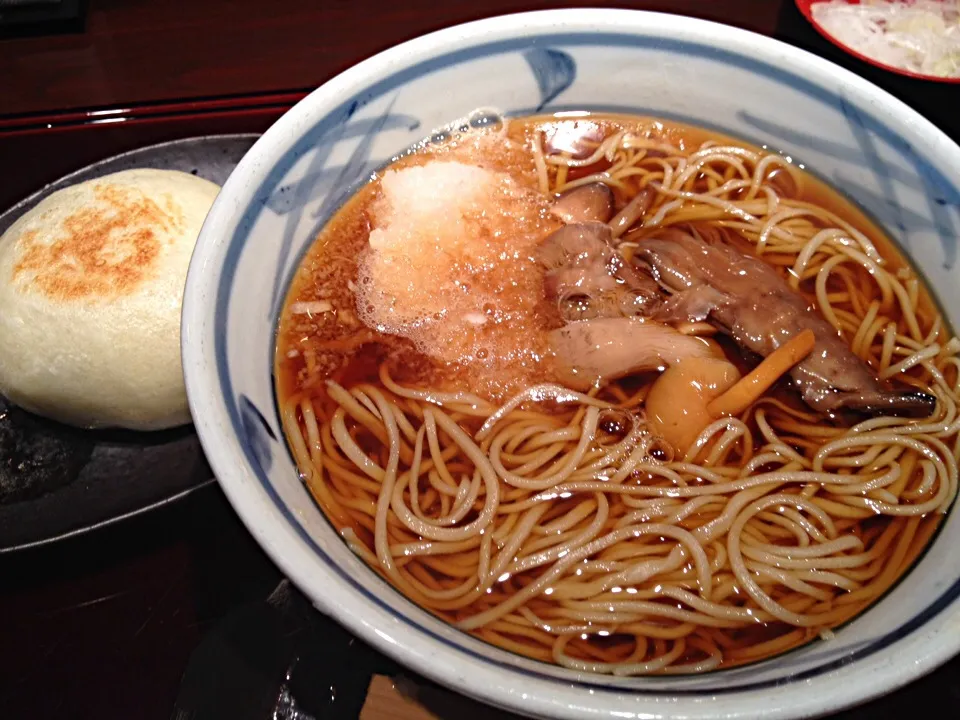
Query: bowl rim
(503,688)
(804,6)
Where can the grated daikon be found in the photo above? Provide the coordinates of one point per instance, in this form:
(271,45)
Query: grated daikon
(920,36)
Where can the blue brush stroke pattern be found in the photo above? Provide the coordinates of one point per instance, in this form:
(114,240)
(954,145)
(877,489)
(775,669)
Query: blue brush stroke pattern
(887,201)
(321,180)
(813,142)
(301,196)
(358,165)
(942,198)
(890,214)
(283,199)
(258,432)
(554,71)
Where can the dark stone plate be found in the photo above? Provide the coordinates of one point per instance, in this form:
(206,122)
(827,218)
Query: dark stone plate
(57,481)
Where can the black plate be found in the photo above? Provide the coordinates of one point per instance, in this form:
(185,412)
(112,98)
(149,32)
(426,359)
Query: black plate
(57,481)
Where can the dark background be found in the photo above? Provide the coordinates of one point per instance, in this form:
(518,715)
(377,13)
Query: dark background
(106,625)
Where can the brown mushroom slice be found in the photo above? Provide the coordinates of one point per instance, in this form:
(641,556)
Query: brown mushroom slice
(595,351)
(632,212)
(748,299)
(581,265)
(584,204)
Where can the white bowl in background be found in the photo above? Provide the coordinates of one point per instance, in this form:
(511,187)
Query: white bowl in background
(886,157)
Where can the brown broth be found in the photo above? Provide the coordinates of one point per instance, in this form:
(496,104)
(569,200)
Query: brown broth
(331,263)
(313,347)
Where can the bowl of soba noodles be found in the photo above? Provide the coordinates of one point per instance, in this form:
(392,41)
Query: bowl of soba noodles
(598,364)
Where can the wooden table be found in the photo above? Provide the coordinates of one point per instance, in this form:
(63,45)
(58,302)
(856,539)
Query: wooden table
(172,608)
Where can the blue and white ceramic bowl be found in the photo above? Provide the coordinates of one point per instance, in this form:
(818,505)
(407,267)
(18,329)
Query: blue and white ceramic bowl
(886,157)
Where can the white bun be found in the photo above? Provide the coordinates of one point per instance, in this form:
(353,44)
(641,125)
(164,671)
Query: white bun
(91,287)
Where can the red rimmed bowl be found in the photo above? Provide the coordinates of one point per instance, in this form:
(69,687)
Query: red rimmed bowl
(805,8)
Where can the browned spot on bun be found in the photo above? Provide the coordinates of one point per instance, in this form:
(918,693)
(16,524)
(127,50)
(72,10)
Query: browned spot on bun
(103,251)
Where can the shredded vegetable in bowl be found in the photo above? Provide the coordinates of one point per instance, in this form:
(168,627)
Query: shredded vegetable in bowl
(920,36)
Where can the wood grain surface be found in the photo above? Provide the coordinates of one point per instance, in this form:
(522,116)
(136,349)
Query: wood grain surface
(401,699)
(135,51)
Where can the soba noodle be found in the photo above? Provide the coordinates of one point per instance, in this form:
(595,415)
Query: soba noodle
(557,525)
